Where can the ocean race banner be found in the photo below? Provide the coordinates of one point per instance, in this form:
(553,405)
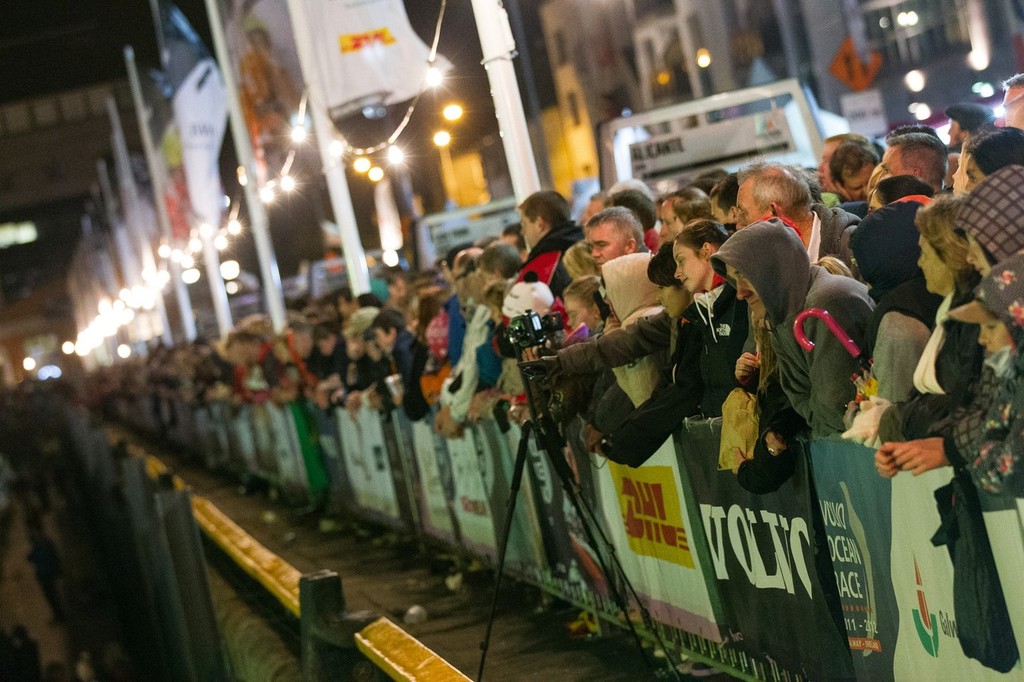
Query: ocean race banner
(652,530)
(761,560)
(200,108)
(855,505)
(367,466)
(880,534)
(259,38)
(367,53)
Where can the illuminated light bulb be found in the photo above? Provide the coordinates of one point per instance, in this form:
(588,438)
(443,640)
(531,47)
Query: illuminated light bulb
(703,58)
(243,178)
(395,155)
(434,77)
(230,269)
(190,276)
(376,174)
(124,351)
(234,227)
(195,245)
(29,364)
(914,80)
(231,287)
(164,251)
(299,134)
(287,183)
(452,112)
(68,347)
(105,306)
(267,194)
(205,231)
(390,258)
(220,242)
(442,138)
(920,110)
(361,164)
(336,148)
(188,262)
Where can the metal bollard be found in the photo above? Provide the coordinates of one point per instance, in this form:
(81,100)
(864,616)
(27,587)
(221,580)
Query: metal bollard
(328,632)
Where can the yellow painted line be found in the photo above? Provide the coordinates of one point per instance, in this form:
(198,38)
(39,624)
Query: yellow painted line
(402,657)
(277,576)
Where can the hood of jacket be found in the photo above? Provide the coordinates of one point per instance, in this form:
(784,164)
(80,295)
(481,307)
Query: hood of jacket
(1002,292)
(837,225)
(886,249)
(560,238)
(627,288)
(772,257)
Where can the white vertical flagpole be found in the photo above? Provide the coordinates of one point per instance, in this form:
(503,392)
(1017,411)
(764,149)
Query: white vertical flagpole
(499,48)
(133,217)
(259,224)
(337,185)
(158,178)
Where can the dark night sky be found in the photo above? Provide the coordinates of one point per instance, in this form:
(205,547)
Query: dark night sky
(52,45)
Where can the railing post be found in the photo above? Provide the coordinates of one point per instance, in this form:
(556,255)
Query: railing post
(328,631)
(174,509)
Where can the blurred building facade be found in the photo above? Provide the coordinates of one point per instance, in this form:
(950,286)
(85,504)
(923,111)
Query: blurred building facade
(613,57)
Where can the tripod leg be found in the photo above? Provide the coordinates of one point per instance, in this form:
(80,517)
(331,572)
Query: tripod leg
(510,508)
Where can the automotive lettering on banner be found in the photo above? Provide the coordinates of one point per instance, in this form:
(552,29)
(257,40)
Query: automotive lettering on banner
(761,559)
(922,577)
(646,512)
(729,141)
(367,465)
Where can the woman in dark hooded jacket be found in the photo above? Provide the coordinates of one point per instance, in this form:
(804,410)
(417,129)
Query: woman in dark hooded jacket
(710,339)
(886,249)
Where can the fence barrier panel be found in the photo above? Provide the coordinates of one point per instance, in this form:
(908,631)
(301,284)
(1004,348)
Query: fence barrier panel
(831,576)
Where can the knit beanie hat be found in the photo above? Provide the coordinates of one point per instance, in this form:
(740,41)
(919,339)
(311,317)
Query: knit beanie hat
(530,294)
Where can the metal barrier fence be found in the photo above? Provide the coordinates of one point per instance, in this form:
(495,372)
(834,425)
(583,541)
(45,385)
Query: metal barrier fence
(832,576)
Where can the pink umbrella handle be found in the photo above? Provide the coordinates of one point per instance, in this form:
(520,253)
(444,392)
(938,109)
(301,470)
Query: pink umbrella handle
(798,331)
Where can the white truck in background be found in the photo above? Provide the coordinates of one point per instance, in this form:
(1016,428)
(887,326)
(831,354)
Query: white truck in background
(669,146)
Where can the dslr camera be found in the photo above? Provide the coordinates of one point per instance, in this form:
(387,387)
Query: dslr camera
(530,329)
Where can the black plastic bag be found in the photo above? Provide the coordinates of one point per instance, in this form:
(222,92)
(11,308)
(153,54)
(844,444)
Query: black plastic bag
(982,620)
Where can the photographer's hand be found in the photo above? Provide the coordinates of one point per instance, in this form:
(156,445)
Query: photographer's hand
(541,365)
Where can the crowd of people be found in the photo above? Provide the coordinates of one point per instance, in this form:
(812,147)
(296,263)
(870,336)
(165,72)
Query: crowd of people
(670,305)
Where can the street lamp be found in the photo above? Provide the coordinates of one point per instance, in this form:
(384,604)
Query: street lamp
(452,112)
(442,140)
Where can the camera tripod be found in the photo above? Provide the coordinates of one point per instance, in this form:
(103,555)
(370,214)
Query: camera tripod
(542,427)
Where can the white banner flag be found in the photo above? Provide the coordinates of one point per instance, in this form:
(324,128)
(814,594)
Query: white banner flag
(201,110)
(367,53)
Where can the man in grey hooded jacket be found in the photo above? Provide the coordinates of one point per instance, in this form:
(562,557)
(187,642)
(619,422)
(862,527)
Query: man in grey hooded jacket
(769,265)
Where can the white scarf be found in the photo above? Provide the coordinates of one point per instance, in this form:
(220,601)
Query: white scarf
(925,380)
